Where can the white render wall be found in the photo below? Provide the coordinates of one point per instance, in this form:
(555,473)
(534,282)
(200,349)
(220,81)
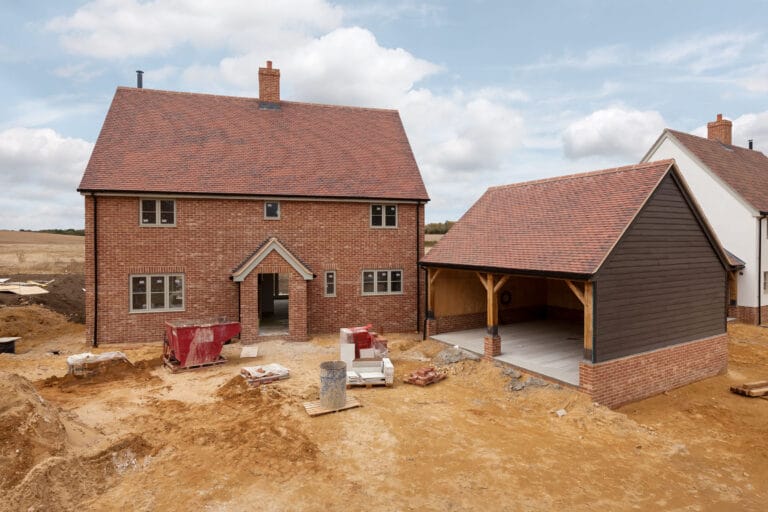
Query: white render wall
(732,219)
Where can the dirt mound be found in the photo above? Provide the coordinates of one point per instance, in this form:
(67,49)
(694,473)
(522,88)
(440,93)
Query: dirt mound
(65,483)
(65,294)
(33,323)
(31,429)
(107,372)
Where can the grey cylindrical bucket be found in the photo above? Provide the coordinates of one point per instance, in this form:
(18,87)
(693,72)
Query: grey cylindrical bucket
(333,384)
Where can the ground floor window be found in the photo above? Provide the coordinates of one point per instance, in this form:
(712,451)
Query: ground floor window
(330,283)
(157,292)
(382,282)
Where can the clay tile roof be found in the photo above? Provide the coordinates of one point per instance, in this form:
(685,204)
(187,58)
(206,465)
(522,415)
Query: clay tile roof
(563,225)
(170,142)
(744,170)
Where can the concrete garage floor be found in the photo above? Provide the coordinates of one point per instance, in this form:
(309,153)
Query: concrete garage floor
(547,347)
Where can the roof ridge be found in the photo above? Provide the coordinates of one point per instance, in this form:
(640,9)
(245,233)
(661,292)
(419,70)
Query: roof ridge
(251,98)
(732,147)
(600,172)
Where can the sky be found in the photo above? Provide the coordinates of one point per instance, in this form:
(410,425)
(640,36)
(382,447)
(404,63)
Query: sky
(490,92)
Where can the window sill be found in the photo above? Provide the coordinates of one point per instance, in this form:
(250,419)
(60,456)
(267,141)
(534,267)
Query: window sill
(143,311)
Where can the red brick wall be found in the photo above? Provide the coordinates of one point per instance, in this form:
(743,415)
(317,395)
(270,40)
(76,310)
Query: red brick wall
(457,323)
(747,315)
(213,236)
(632,378)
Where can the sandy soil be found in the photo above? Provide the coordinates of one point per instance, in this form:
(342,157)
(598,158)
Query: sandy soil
(25,252)
(140,438)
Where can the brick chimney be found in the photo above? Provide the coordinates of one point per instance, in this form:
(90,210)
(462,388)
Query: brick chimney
(269,84)
(720,130)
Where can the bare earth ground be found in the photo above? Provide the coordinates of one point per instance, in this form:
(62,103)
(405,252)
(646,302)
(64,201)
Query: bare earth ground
(140,438)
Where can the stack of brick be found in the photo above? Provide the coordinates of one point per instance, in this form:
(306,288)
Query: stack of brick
(424,376)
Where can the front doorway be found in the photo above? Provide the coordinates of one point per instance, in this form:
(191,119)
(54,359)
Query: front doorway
(273,304)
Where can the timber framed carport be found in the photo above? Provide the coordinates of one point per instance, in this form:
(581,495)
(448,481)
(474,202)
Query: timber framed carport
(545,323)
(623,253)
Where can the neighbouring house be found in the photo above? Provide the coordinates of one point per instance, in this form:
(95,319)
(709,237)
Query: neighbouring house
(611,281)
(730,184)
(293,218)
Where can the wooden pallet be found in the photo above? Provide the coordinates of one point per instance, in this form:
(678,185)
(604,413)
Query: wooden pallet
(367,385)
(175,367)
(752,389)
(254,383)
(315,409)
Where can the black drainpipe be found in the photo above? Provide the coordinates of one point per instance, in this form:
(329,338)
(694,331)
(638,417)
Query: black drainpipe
(95,272)
(760,268)
(418,257)
(426,303)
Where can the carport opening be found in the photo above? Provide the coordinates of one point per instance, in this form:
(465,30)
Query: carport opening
(541,321)
(273,304)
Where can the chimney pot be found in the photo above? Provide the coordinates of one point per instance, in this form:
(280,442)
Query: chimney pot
(269,84)
(139,79)
(750,143)
(720,130)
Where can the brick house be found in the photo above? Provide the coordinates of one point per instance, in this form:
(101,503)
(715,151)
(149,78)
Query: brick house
(731,185)
(293,218)
(610,281)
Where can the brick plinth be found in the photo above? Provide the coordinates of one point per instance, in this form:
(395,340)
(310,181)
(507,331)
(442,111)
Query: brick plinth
(620,381)
(491,346)
(747,315)
(431,327)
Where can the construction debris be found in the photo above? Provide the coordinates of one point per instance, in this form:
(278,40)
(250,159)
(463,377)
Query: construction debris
(249,351)
(88,364)
(371,372)
(752,389)
(26,288)
(316,409)
(425,376)
(264,374)
(8,344)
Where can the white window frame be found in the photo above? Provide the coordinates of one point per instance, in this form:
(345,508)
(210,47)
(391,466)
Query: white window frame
(765,282)
(148,292)
(325,283)
(279,210)
(383,215)
(158,213)
(376,281)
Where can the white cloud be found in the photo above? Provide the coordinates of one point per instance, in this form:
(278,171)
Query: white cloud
(40,170)
(599,57)
(751,126)
(701,54)
(124,28)
(81,72)
(614,132)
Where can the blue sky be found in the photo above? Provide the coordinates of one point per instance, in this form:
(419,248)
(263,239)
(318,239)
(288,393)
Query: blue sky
(489,92)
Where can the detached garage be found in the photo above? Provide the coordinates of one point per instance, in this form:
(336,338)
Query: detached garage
(611,281)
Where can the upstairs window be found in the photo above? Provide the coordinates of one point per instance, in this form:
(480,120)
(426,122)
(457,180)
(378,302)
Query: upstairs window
(384,215)
(382,282)
(158,212)
(271,209)
(160,292)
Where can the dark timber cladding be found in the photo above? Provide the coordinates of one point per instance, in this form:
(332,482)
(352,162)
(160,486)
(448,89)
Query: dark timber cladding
(663,283)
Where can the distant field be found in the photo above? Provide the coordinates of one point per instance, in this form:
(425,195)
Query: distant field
(40,253)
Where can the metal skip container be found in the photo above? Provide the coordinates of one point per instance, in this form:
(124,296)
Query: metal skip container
(333,384)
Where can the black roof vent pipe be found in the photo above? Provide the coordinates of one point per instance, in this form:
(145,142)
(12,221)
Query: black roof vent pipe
(750,143)
(139,79)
